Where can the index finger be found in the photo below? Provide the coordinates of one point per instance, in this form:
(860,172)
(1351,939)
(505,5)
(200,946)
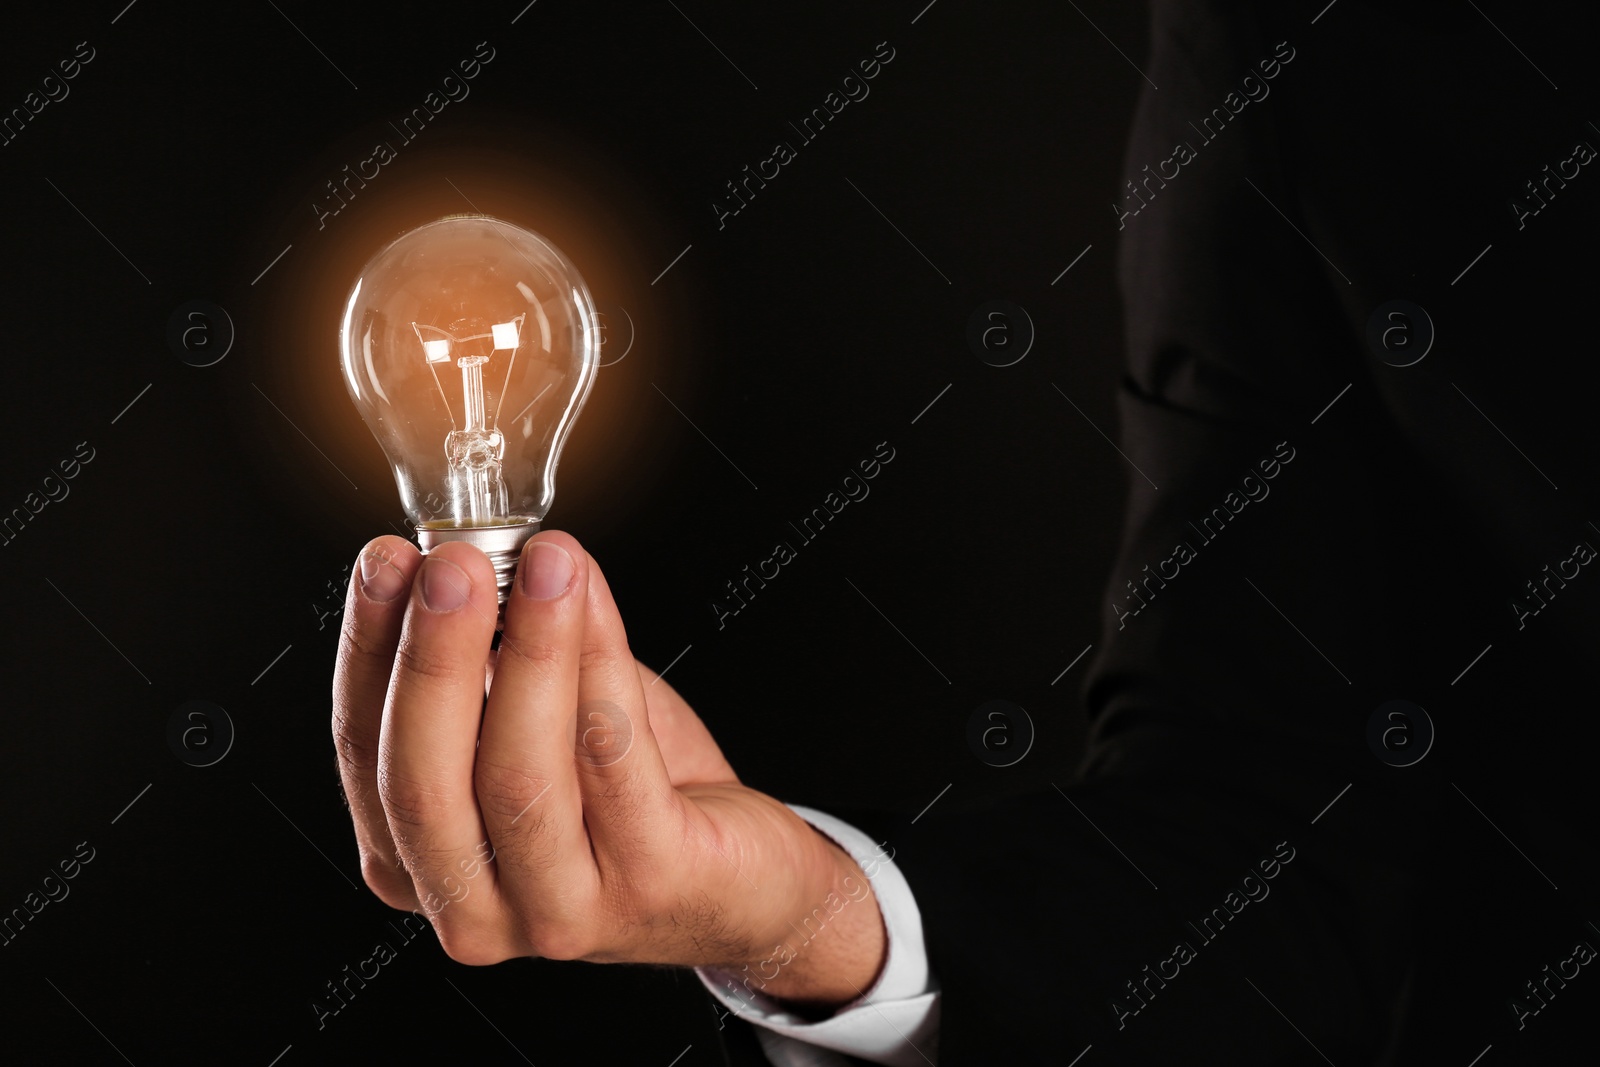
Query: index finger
(374,611)
(429,741)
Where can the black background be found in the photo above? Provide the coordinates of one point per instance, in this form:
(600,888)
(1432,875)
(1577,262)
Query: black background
(202,553)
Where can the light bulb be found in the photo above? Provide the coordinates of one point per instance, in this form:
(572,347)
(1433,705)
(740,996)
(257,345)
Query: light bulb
(469,345)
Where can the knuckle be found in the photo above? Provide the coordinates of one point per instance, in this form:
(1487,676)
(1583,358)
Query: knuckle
(606,733)
(363,638)
(561,941)
(471,945)
(540,656)
(389,883)
(419,661)
(507,792)
(357,748)
(408,801)
(606,660)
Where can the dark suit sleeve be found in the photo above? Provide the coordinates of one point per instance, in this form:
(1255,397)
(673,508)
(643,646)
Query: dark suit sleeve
(1187,899)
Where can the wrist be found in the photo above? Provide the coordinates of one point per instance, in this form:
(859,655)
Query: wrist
(832,946)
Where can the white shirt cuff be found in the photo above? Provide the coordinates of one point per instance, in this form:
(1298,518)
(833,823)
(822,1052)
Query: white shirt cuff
(896,1022)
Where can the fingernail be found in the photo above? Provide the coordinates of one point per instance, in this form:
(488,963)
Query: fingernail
(445,587)
(546,572)
(380,581)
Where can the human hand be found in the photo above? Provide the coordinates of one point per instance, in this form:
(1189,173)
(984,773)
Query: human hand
(582,810)
(687,748)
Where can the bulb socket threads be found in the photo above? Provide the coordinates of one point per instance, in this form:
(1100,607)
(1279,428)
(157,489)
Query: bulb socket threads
(502,544)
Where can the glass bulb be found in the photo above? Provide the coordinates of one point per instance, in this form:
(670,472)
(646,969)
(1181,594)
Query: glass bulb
(469,345)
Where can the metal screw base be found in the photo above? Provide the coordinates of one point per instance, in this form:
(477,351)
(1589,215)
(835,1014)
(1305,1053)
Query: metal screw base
(502,544)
